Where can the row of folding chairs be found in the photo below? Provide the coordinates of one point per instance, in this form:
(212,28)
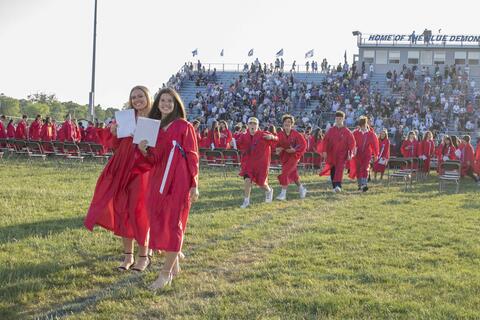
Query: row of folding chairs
(57,149)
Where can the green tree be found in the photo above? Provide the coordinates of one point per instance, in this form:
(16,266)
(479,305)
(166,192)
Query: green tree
(9,106)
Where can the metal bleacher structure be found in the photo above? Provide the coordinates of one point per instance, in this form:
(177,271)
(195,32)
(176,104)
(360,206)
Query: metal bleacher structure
(229,74)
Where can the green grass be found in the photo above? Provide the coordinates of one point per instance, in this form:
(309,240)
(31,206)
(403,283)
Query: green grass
(386,254)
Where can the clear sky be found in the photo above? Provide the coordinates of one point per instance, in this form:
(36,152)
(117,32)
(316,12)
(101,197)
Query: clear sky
(46,45)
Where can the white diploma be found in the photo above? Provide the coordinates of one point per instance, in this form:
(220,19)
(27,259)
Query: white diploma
(126,123)
(147,129)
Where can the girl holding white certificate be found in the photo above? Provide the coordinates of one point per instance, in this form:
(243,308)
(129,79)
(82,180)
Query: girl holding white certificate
(173,165)
(118,203)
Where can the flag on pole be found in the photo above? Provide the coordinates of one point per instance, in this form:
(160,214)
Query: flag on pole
(309,54)
(221,53)
(280,53)
(250,53)
(195,52)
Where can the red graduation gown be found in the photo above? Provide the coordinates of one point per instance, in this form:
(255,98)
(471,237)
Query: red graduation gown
(339,143)
(290,161)
(256,152)
(384,153)
(445,152)
(46,132)
(467,157)
(10,131)
(21,131)
(476,166)
(3,132)
(409,149)
(426,148)
(119,200)
(35,130)
(174,170)
(367,144)
(68,133)
(225,138)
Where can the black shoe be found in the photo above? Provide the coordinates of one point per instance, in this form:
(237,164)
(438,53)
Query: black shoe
(364,189)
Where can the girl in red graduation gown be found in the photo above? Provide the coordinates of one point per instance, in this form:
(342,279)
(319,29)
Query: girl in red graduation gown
(119,201)
(173,186)
(90,133)
(10,130)
(476,166)
(68,129)
(35,129)
(225,136)
(426,151)
(367,145)
(47,130)
(383,154)
(467,158)
(338,148)
(316,146)
(291,146)
(214,136)
(445,151)
(256,148)
(205,141)
(3,131)
(21,130)
(409,147)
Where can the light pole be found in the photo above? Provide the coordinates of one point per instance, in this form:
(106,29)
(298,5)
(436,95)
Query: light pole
(91,97)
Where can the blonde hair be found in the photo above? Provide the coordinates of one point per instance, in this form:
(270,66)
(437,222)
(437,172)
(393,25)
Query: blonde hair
(147,95)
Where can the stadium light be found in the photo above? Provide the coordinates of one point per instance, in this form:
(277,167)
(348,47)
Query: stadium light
(356,33)
(91,96)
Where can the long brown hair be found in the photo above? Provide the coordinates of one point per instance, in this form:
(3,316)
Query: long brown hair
(178,108)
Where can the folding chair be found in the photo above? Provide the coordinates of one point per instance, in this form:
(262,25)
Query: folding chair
(396,170)
(450,171)
(231,158)
(72,151)
(35,150)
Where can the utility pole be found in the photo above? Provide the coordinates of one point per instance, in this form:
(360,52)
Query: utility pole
(91,100)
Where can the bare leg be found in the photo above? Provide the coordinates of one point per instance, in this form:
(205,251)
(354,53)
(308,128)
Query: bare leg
(165,276)
(128,254)
(248,188)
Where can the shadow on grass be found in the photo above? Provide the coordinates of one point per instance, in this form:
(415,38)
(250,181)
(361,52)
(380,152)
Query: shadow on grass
(14,233)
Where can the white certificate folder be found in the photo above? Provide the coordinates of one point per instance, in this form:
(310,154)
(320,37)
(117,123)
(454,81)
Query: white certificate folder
(147,129)
(126,123)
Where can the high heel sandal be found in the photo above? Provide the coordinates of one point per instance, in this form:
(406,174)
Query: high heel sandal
(128,266)
(163,280)
(176,268)
(149,261)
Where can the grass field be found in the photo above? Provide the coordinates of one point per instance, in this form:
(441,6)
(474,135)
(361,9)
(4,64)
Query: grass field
(386,254)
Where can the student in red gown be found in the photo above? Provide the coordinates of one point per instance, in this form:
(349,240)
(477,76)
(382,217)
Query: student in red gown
(119,200)
(3,131)
(367,145)
(476,165)
(426,151)
(316,146)
(54,130)
(445,151)
(236,134)
(21,130)
(90,133)
(291,146)
(68,129)
(467,158)
(205,141)
(256,148)
(46,133)
(214,136)
(10,129)
(225,135)
(35,128)
(338,148)
(383,154)
(78,132)
(173,185)
(196,126)
(409,147)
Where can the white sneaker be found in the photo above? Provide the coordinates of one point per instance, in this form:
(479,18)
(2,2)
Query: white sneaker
(337,189)
(269,195)
(303,192)
(282,196)
(246,203)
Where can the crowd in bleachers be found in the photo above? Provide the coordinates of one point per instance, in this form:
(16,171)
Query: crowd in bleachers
(420,100)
